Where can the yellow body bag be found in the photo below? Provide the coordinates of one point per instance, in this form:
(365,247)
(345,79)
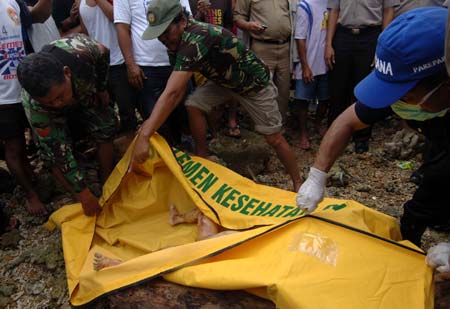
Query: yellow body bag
(344,255)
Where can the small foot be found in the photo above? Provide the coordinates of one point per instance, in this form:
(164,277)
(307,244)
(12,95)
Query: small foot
(234,132)
(101,261)
(304,142)
(206,228)
(35,206)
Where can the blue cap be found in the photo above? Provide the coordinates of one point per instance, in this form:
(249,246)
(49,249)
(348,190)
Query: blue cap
(408,50)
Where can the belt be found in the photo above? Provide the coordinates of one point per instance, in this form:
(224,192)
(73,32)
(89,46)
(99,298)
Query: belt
(275,42)
(359,30)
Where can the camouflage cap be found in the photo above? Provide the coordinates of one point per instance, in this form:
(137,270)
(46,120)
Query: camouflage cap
(160,14)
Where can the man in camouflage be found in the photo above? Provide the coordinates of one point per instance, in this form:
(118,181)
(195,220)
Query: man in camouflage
(232,70)
(65,87)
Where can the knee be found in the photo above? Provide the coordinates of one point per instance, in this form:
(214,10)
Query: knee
(275,140)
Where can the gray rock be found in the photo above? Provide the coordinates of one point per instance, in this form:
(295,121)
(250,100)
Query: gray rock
(11,239)
(7,289)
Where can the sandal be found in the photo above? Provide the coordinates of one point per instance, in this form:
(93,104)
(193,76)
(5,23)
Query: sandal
(234,132)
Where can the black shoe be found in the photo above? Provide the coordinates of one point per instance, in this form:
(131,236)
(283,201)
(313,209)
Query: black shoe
(361,147)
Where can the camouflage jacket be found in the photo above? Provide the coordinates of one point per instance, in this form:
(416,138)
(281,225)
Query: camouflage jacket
(49,126)
(220,56)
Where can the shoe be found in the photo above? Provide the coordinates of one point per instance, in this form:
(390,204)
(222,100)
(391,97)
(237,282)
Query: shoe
(361,147)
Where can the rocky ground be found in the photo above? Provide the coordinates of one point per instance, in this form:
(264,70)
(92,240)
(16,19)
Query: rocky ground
(32,271)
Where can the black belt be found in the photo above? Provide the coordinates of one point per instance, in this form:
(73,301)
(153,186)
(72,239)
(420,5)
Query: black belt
(276,42)
(359,30)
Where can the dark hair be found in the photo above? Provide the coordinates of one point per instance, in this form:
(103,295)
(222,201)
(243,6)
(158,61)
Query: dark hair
(184,13)
(38,72)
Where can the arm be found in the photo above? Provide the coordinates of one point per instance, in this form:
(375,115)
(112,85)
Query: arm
(169,99)
(337,138)
(41,11)
(201,10)
(307,74)
(106,8)
(332,146)
(241,17)
(70,24)
(388,16)
(331,30)
(83,27)
(135,74)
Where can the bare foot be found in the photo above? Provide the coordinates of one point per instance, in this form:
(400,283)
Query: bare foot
(176,218)
(35,206)
(101,261)
(321,128)
(206,228)
(304,141)
(174,215)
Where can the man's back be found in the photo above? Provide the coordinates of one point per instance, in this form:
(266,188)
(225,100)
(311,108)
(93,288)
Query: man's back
(221,57)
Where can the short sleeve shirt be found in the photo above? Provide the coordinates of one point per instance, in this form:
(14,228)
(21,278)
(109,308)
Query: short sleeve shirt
(361,13)
(12,50)
(221,57)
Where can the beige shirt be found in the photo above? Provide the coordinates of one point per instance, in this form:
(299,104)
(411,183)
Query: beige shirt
(274,14)
(361,13)
(406,5)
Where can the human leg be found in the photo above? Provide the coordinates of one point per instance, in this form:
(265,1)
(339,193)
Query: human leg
(323,97)
(101,123)
(198,104)
(18,164)
(12,127)
(428,206)
(233,127)
(363,54)
(304,92)
(340,76)
(286,156)
(125,97)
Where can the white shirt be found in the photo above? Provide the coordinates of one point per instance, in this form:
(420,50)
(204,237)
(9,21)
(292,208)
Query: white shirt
(134,13)
(11,51)
(315,35)
(101,29)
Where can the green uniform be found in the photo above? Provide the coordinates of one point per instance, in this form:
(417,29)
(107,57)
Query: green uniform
(89,67)
(221,57)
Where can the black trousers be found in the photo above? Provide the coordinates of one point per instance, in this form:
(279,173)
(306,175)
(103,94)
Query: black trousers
(354,54)
(430,205)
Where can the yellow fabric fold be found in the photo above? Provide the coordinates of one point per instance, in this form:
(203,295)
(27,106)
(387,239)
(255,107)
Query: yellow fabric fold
(343,256)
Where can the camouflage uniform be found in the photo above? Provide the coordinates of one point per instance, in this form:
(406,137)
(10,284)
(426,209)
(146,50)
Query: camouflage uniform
(233,71)
(50,126)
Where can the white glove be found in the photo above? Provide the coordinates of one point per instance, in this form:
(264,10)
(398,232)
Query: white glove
(438,257)
(312,190)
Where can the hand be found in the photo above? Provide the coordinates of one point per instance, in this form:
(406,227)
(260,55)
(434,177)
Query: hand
(74,13)
(312,190)
(307,74)
(103,97)
(89,202)
(329,57)
(140,151)
(136,76)
(255,27)
(439,257)
(202,7)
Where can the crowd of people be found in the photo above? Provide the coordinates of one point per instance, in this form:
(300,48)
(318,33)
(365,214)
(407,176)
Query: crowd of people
(172,63)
